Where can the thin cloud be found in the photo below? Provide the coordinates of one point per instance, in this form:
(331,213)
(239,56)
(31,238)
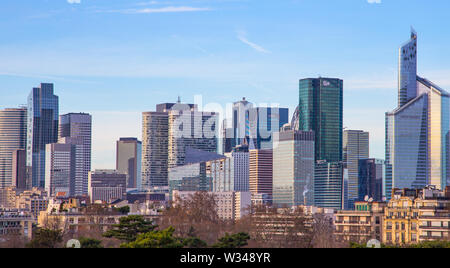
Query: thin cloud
(242,36)
(170,9)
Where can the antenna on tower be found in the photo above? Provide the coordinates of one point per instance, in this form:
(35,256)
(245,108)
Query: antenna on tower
(179,100)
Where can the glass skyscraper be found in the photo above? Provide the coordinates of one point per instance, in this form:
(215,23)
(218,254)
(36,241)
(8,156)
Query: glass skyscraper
(321,110)
(13,137)
(417,132)
(356,147)
(254,126)
(293,168)
(42,124)
(76,129)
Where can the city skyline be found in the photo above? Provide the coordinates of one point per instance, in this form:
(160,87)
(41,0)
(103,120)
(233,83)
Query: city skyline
(265,51)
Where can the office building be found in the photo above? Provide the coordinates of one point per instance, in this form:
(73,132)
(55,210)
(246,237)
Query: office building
(42,129)
(231,206)
(76,129)
(222,173)
(167,135)
(321,110)
(371,180)
(293,168)
(129,160)
(107,185)
(329,188)
(19,169)
(60,169)
(261,172)
(13,129)
(190,177)
(15,222)
(417,131)
(356,147)
(240,159)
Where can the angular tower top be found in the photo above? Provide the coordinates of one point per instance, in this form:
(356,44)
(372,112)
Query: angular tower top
(413,33)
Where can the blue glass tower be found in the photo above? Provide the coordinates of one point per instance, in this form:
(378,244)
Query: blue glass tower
(43,119)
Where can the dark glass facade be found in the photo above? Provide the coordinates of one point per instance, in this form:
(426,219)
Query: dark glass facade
(371,175)
(321,111)
(43,119)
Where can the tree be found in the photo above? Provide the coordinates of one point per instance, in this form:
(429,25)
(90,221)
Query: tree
(90,243)
(195,216)
(238,240)
(123,210)
(194,242)
(156,239)
(129,228)
(46,238)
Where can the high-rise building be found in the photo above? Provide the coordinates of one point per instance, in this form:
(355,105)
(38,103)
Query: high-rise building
(13,125)
(371,178)
(253,126)
(19,169)
(417,132)
(107,185)
(129,160)
(321,110)
(241,123)
(42,124)
(293,168)
(264,122)
(60,169)
(329,188)
(168,133)
(261,172)
(240,158)
(76,129)
(356,147)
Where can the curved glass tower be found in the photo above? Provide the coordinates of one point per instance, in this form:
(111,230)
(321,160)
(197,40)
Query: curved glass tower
(417,132)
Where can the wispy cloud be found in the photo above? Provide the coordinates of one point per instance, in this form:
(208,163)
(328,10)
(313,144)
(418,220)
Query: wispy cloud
(169,9)
(374,1)
(74,1)
(242,36)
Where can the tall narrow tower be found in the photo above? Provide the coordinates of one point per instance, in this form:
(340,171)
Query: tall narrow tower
(407,84)
(43,118)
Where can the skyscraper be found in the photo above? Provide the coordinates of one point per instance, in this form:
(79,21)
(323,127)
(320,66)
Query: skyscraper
(321,110)
(293,168)
(76,129)
(356,147)
(13,137)
(168,133)
(42,129)
(19,169)
(417,132)
(254,126)
(261,172)
(329,185)
(128,160)
(60,176)
(264,122)
(371,177)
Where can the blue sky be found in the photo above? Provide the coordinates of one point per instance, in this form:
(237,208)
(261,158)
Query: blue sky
(117,58)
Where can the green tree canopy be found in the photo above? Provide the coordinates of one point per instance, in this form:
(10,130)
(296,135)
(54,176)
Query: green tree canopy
(156,239)
(46,238)
(129,228)
(238,240)
(90,243)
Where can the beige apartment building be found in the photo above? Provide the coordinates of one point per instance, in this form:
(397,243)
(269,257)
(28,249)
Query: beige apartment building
(360,225)
(414,216)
